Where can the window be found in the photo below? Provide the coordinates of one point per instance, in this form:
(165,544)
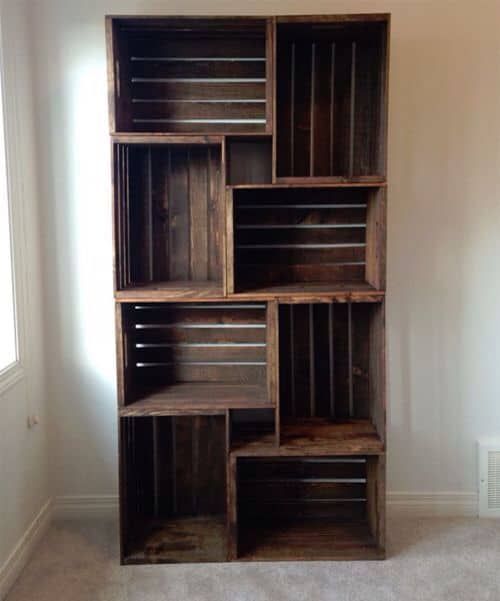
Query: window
(8,335)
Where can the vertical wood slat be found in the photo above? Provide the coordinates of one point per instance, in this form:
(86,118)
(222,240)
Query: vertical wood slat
(312,108)
(149,214)
(349,363)
(312,359)
(273,361)
(216,225)
(195,459)
(331,365)
(332,104)
(270,62)
(352,108)
(292,110)
(126,238)
(174,465)
(232,510)
(198,193)
(274,116)
(230,257)
(156,478)
(292,361)
(179,214)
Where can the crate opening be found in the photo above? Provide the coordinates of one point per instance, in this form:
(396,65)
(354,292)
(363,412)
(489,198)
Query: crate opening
(249,160)
(174,489)
(332,99)
(168,230)
(300,238)
(191,75)
(330,374)
(185,354)
(314,507)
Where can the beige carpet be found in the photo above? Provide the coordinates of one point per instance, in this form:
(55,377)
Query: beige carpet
(431,560)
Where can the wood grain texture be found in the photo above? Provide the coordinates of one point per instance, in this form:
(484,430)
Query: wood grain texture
(313,540)
(317,437)
(202,398)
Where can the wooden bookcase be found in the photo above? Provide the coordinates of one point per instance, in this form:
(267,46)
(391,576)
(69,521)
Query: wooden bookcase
(249,183)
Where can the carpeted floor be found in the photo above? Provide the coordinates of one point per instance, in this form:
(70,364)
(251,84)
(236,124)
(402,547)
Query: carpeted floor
(429,559)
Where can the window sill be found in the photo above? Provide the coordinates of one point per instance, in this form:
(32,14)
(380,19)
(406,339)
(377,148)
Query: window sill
(10,376)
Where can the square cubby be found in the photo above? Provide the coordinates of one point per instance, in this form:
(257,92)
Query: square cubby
(190,74)
(332,98)
(331,385)
(193,356)
(173,489)
(308,508)
(169,218)
(287,239)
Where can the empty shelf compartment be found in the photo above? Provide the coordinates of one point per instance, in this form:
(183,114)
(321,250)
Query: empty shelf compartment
(249,160)
(190,75)
(313,237)
(332,99)
(308,508)
(193,356)
(168,217)
(332,376)
(173,484)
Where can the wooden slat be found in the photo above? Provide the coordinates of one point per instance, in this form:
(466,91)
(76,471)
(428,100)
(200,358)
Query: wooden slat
(198,214)
(303,468)
(303,215)
(289,489)
(299,274)
(303,253)
(201,46)
(270,63)
(193,90)
(299,234)
(178,193)
(199,110)
(199,69)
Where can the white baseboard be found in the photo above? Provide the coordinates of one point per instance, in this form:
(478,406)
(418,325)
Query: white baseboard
(19,556)
(438,504)
(73,507)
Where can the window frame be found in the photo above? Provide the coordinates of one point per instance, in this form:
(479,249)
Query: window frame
(16,209)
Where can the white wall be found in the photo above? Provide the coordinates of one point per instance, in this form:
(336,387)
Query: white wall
(444,224)
(24,482)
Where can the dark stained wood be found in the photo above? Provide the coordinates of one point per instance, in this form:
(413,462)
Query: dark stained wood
(248,160)
(188,398)
(171,222)
(162,290)
(285,235)
(317,437)
(376,220)
(333,102)
(310,539)
(250,339)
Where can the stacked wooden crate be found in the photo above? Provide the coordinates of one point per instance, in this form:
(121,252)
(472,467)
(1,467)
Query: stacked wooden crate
(249,168)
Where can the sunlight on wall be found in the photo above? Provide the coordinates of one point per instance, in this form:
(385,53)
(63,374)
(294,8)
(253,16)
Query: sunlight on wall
(91,219)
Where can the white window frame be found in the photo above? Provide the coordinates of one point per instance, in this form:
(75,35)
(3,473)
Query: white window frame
(14,372)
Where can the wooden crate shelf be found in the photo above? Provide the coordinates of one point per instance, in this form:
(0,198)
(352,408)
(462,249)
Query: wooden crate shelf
(169,217)
(298,237)
(332,101)
(173,489)
(188,356)
(249,207)
(306,508)
(189,75)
